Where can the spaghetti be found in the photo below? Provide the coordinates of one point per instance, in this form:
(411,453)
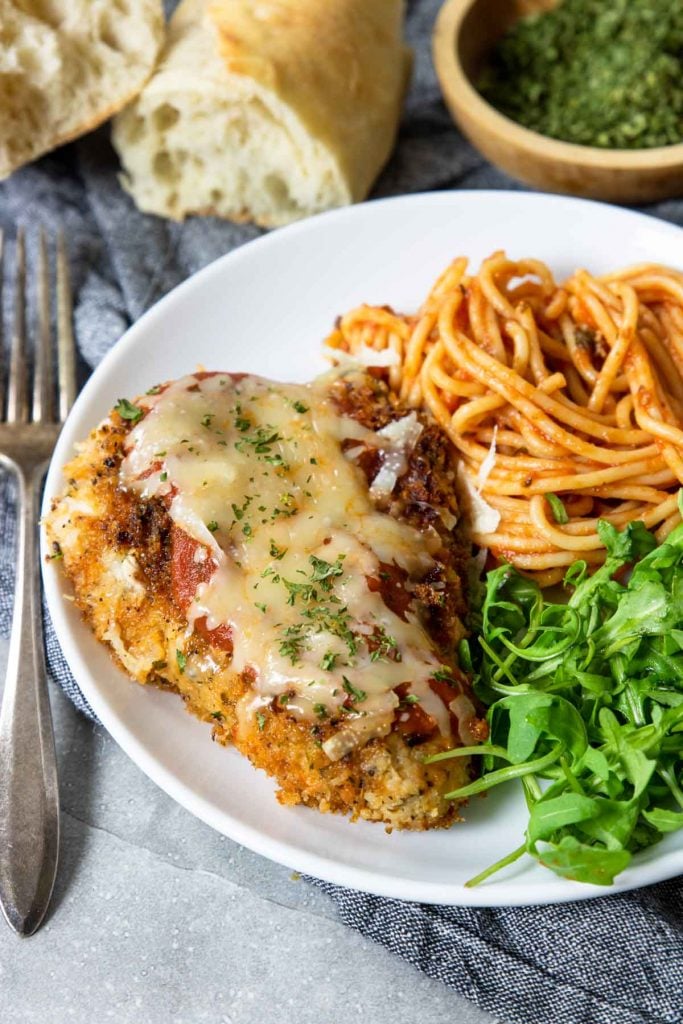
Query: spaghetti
(565,401)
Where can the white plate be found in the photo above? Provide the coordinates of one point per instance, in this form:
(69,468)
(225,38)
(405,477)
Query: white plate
(265,308)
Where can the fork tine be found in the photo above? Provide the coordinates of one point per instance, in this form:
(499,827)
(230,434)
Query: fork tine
(65,334)
(42,375)
(2,321)
(17,399)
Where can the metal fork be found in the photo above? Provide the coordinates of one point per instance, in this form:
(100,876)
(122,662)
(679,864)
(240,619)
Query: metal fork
(29,425)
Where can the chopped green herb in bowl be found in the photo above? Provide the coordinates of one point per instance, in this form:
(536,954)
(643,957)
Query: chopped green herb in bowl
(605,73)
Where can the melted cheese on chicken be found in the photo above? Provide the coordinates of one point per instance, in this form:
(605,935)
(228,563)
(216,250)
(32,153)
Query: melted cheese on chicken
(257,475)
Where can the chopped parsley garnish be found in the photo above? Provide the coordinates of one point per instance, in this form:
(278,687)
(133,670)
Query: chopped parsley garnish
(158,665)
(261,440)
(328,661)
(335,622)
(260,721)
(330,617)
(163,477)
(300,407)
(212,526)
(242,424)
(154,390)
(128,411)
(286,513)
(239,510)
(385,646)
(322,574)
(293,643)
(320,710)
(277,461)
(444,674)
(323,571)
(276,552)
(206,419)
(306,591)
(218,715)
(261,607)
(181,660)
(357,696)
(320,618)
(410,698)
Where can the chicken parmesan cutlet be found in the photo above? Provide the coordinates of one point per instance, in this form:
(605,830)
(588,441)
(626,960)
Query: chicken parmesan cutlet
(284,557)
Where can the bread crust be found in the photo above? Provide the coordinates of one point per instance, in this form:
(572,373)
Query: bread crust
(61,139)
(341,66)
(37,146)
(330,78)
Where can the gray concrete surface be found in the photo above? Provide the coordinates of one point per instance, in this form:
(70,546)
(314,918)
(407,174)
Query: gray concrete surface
(157,919)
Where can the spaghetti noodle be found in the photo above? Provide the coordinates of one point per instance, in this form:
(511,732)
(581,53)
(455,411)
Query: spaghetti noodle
(565,401)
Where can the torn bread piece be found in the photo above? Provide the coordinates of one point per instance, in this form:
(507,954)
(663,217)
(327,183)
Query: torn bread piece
(267,111)
(68,65)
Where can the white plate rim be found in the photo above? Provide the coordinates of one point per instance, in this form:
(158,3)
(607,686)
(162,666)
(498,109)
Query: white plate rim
(502,894)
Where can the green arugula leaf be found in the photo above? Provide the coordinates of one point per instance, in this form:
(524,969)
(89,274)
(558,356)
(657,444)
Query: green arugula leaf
(533,716)
(629,544)
(621,740)
(612,822)
(588,695)
(583,863)
(641,612)
(595,761)
(557,508)
(547,816)
(523,735)
(664,820)
(560,720)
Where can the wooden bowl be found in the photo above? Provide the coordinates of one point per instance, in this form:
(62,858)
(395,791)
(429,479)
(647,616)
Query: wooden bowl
(465,33)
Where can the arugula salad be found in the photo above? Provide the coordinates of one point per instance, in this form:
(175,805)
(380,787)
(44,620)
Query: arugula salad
(585,704)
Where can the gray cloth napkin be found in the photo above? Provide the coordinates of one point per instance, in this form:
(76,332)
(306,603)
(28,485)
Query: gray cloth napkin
(608,961)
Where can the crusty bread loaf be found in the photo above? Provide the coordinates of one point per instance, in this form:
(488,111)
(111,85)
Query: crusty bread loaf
(266,111)
(68,65)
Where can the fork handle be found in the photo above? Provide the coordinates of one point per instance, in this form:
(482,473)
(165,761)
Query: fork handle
(29,794)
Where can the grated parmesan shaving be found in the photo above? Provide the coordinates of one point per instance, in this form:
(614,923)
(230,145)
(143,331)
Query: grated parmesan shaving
(488,463)
(483,518)
(465,712)
(385,481)
(403,433)
(364,356)
(398,437)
